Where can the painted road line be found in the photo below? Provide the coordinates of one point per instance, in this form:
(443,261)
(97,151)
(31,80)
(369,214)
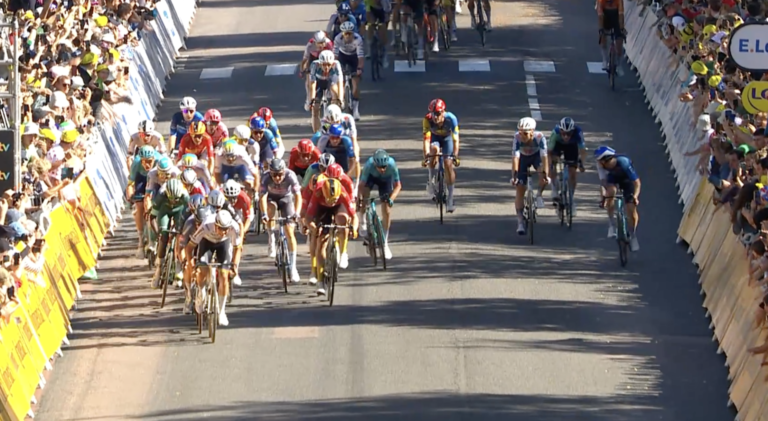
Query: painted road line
(281,69)
(402,66)
(533,104)
(533,101)
(595,67)
(530,85)
(539,66)
(474,66)
(301,332)
(217,73)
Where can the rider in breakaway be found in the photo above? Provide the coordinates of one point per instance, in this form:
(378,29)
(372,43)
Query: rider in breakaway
(348,48)
(441,135)
(529,149)
(324,75)
(617,171)
(567,140)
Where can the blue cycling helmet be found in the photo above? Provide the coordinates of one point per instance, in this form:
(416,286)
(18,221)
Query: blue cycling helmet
(257,123)
(336,130)
(603,152)
(196,200)
(380,158)
(344,9)
(164,164)
(146,152)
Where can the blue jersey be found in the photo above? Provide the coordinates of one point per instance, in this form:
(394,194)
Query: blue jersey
(267,141)
(537,145)
(137,170)
(577,137)
(359,12)
(316,137)
(623,171)
(370,171)
(272,126)
(342,152)
(179,126)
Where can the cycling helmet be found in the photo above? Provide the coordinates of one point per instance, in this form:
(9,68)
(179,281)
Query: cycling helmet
(189,160)
(146,126)
(326,160)
(202,213)
(331,190)
(334,171)
(197,128)
(526,123)
(231,188)
(603,152)
(265,113)
(258,123)
(146,152)
(216,198)
(223,219)
(164,164)
(333,113)
(437,106)
(380,158)
(188,102)
(567,125)
(242,132)
(344,9)
(326,57)
(347,27)
(188,177)
(230,148)
(336,130)
(174,189)
(213,115)
(319,37)
(305,146)
(196,201)
(276,165)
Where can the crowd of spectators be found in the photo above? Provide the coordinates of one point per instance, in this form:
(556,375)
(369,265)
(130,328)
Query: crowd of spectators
(75,57)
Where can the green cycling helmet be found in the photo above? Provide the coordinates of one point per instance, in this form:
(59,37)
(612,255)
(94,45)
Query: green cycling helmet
(174,189)
(146,152)
(380,158)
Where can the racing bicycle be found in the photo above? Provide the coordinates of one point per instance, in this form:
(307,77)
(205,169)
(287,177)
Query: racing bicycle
(622,231)
(443,28)
(283,255)
(437,185)
(331,265)
(564,193)
(347,72)
(480,25)
(210,314)
(168,264)
(376,54)
(613,59)
(374,241)
(529,209)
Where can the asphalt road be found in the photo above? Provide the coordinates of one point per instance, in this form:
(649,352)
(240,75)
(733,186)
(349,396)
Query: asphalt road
(470,322)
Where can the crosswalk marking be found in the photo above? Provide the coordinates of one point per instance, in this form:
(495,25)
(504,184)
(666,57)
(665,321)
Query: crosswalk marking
(281,69)
(474,66)
(595,67)
(402,66)
(217,73)
(539,66)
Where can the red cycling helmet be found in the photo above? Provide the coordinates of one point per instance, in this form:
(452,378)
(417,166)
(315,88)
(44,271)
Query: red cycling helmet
(265,113)
(306,146)
(437,106)
(213,115)
(334,171)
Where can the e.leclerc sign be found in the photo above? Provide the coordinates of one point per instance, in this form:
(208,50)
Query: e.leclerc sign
(748,46)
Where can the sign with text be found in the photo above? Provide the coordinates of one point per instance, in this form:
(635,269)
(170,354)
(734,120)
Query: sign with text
(7,162)
(748,46)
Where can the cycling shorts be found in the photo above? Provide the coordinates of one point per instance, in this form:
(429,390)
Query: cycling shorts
(223,250)
(417,6)
(377,14)
(284,204)
(570,151)
(525,162)
(627,186)
(611,22)
(139,188)
(326,215)
(348,63)
(445,143)
(385,185)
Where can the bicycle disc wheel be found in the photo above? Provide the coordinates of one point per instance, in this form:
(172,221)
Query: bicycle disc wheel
(380,242)
(612,69)
(530,216)
(332,278)
(570,208)
(440,193)
(166,275)
(284,263)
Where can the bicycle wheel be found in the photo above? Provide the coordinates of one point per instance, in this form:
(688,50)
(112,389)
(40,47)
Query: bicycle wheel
(612,67)
(411,45)
(380,241)
(371,237)
(257,222)
(570,207)
(621,233)
(531,214)
(442,22)
(561,199)
(333,275)
(167,274)
(481,23)
(284,262)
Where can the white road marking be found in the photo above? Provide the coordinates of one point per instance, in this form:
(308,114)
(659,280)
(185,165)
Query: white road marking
(595,67)
(217,73)
(281,69)
(539,66)
(402,66)
(530,85)
(474,66)
(533,101)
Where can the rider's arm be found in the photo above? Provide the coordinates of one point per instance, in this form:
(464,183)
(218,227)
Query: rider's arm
(397,185)
(543,153)
(427,132)
(275,130)
(329,28)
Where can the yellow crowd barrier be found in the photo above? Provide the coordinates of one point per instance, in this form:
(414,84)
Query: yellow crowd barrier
(732,303)
(35,330)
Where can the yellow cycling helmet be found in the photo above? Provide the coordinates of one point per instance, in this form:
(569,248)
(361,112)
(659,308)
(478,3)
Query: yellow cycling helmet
(331,190)
(197,128)
(230,147)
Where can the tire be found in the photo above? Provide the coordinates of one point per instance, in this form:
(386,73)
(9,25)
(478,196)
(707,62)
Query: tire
(332,277)
(380,242)
(621,234)
(440,194)
(531,215)
(284,263)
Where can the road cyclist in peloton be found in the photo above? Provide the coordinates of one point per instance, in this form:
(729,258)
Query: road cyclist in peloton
(610,16)
(416,9)
(380,171)
(190,162)
(243,213)
(440,129)
(342,15)
(567,140)
(378,11)
(137,189)
(281,191)
(264,140)
(318,167)
(242,135)
(302,156)
(348,48)
(529,149)
(317,44)
(232,161)
(181,121)
(325,74)
(617,171)
(193,186)
(214,127)
(342,149)
(201,214)
(156,177)
(334,115)
(220,235)
(486,5)
(197,142)
(266,114)
(168,204)
(145,136)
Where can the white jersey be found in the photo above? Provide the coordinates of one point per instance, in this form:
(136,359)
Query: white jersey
(203,175)
(348,124)
(537,145)
(241,158)
(155,141)
(209,232)
(153,178)
(316,72)
(351,48)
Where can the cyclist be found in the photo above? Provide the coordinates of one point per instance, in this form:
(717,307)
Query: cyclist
(219,235)
(325,207)
(232,162)
(317,44)
(190,161)
(616,171)
(378,12)
(334,115)
(324,75)
(342,149)
(380,171)
(487,7)
(416,9)
(264,140)
(146,135)
(164,170)
(137,187)
(610,17)
(199,143)
(214,127)
(348,48)
(181,121)
(241,203)
(318,167)
(529,149)
(193,186)
(281,190)
(302,156)
(201,214)
(566,139)
(243,137)
(441,135)
(343,14)
(217,201)
(169,204)
(195,202)
(266,114)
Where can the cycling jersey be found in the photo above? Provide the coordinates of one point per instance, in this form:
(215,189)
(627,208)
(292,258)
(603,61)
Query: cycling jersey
(203,175)
(272,126)
(137,170)
(268,146)
(577,137)
(622,172)
(317,202)
(295,162)
(209,232)
(203,150)
(537,145)
(313,51)
(220,133)
(352,48)
(334,22)
(311,170)
(153,179)
(241,159)
(370,171)
(347,124)
(450,127)
(604,5)
(317,73)
(179,126)
(289,185)
(153,138)
(242,205)
(197,188)
(189,228)
(343,151)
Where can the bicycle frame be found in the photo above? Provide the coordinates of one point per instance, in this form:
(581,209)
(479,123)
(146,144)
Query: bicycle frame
(375,238)
(440,196)
(529,210)
(212,306)
(622,233)
(168,265)
(331,266)
(282,259)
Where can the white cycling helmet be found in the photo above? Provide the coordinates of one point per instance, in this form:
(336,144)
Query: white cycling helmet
(333,113)
(231,188)
(319,36)
(188,177)
(216,198)
(242,132)
(326,160)
(146,126)
(223,219)
(567,124)
(526,123)
(188,102)
(326,57)
(347,27)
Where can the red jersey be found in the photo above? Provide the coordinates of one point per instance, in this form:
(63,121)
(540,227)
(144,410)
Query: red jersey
(204,150)
(318,201)
(346,182)
(295,162)
(243,205)
(197,188)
